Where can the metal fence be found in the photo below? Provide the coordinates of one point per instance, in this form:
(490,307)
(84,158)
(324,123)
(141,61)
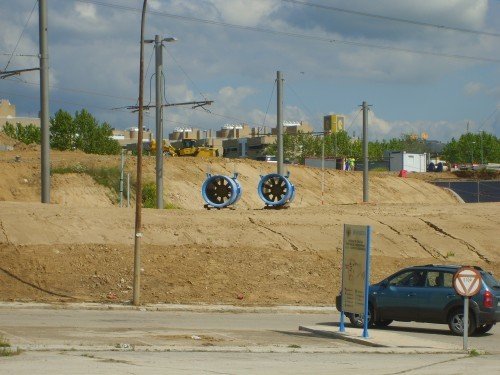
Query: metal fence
(474,191)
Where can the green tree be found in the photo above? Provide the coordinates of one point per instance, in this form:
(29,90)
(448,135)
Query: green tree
(62,131)
(473,148)
(93,138)
(25,133)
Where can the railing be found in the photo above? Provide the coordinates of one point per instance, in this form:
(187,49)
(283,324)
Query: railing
(474,191)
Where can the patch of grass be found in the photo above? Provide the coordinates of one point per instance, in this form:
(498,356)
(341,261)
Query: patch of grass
(481,174)
(474,353)
(171,206)
(449,254)
(6,350)
(149,197)
(294,346)
(108,177)
(75,168)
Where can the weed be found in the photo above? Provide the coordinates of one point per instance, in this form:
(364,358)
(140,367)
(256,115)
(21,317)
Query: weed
(6,349)
(171,206)
(8,352)
(449,254)
(294,346)
(474,353)
(4,343)
(149,197)
(107,177)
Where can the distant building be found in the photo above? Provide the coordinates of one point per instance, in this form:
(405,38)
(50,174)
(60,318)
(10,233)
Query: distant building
(252,147)
(294,127)
(8,115)
(399,160)
(130,136)
(333,123)
(234,131)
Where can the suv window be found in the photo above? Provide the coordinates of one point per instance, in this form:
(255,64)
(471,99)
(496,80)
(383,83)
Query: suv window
(412,278)
(439,279)
(490,280)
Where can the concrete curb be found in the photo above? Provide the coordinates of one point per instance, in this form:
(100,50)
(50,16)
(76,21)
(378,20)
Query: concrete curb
(342,336)
(171,307)
(228,349)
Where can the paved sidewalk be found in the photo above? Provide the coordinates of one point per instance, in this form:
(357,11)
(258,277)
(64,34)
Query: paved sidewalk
(383,340)
(206,328)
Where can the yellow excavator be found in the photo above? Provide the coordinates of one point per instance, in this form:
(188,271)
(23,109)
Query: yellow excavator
(189,148)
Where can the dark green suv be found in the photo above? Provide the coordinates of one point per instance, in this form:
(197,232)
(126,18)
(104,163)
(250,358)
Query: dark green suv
(426,294)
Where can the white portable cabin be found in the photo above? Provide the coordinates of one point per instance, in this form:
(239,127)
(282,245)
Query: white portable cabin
(399,160)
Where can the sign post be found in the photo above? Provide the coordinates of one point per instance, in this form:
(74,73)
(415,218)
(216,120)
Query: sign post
(356,273)
(467,283)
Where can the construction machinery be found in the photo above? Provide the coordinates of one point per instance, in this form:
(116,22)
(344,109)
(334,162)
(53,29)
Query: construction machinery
(189,147)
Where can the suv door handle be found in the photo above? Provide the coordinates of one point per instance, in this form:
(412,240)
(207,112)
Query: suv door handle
(411,294)
(450,296)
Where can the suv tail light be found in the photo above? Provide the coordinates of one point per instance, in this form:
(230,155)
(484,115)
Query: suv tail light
(488,299)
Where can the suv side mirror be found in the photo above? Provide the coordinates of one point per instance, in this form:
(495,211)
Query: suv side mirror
(384,283)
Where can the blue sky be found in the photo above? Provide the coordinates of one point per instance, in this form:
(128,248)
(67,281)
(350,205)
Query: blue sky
(94,59)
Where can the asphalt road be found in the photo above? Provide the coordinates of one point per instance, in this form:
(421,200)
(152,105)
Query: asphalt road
(68,341)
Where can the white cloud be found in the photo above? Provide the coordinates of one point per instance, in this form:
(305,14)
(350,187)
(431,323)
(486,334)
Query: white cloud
(244,12)
(95,49)
(231,97)
(86,11)
(472,88)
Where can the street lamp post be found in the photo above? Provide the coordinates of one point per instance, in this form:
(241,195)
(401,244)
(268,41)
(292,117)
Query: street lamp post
(158,41)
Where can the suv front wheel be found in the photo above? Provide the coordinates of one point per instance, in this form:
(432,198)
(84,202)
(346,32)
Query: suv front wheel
(358,320)
(456,322)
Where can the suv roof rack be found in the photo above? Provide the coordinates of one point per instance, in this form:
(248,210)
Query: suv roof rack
(450,266)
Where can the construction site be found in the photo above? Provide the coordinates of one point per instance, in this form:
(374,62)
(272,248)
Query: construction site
(80,246)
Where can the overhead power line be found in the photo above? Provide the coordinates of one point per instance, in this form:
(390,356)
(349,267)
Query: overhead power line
(16,54)
(292,34)
(75,90)
(20,36)
(394,19)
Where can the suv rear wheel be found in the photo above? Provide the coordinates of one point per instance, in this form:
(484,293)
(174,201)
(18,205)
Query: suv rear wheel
(484,328)
(456,322)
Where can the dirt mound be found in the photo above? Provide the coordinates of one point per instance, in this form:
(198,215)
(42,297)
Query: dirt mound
(183,178)
(80,190)
(81,247)
(292,256)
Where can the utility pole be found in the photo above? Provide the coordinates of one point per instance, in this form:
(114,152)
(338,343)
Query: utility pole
(44,101)
(159,121)
(158,41)
(138,197)
(365,152)
(279,121)
(323,169)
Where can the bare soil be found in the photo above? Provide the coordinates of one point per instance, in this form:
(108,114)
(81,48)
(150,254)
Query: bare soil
(80,247)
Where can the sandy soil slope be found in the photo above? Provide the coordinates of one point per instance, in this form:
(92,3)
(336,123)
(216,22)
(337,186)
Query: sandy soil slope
(80,248)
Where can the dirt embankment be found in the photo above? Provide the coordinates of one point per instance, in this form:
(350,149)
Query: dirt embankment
(81,248)
(183,178)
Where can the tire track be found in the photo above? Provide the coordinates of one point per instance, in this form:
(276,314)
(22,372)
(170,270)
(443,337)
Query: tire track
(463,242)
